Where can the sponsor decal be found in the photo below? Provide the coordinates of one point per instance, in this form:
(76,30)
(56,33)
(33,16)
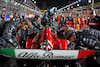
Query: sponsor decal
(69,22)
(41,54)
(93,24)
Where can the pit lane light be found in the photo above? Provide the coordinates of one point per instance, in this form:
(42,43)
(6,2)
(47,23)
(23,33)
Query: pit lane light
(69,5)
(18,4)
(89,1)
(79,0)
(35,2)
(78,5)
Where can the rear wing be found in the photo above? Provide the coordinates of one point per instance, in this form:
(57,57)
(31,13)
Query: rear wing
(47,55)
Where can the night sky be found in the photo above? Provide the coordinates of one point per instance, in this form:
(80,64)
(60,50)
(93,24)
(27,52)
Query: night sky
(60,3)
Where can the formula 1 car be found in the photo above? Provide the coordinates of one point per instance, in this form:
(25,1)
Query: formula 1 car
(52,51)
(45,50)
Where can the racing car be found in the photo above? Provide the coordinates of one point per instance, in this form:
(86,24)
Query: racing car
(44,50)
(53,52)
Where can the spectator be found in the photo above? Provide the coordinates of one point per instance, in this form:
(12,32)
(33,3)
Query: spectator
(11,16)
(16,18)
(28,15)
(3,16)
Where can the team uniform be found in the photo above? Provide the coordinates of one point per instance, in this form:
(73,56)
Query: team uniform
(94,23)
(82,24)
(58,19)
(35,29)
(69,21)
(88,38)
(77,22)
(8,33)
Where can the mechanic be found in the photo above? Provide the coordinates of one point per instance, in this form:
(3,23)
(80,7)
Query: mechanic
(94,21)
(35,28)
(61,24)
(31,32)
(67,28)
(61,32)
(69,20)
(89,38)
(36,22)
(77,22)
(8,31)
